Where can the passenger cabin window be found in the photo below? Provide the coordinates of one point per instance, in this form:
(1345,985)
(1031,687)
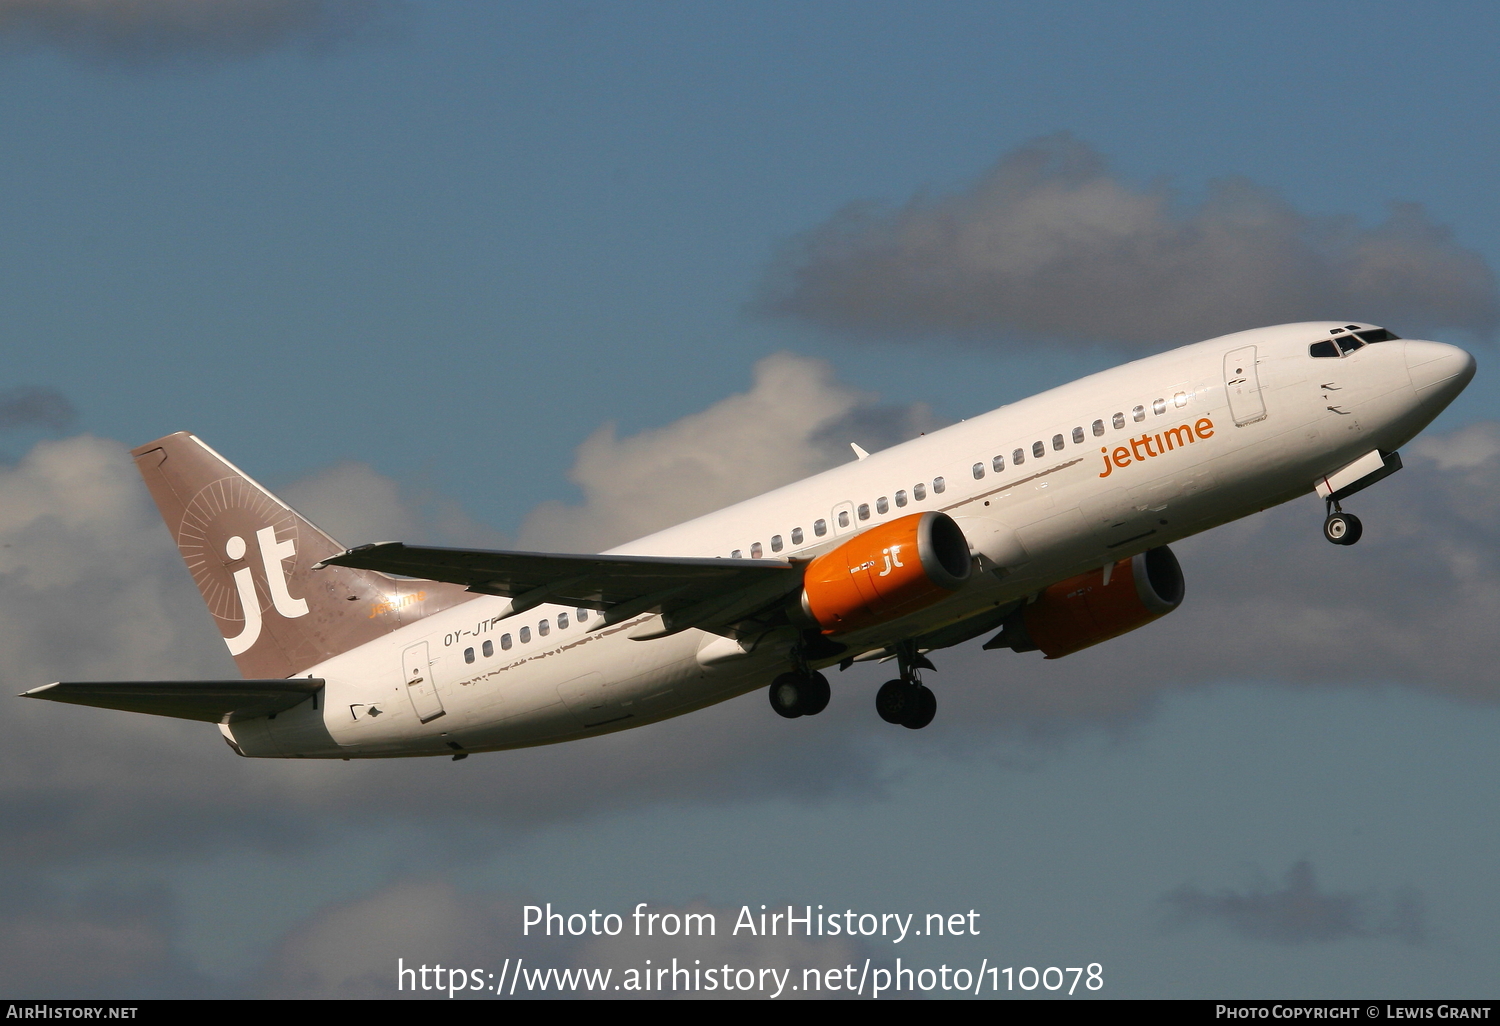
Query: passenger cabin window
(1159,407)
(1057,443)
(1078,436)
(736,554)
(468,655)
(505,642)
(775,543)
(919,491)
(882,505)
(1138,414)
(901,497)
(797,535)
(864,511)
(978,471)
(543,629)
(998,463)
(1119,421)
(843,518)
(1098,428)
(583,616)
(489,649)
(1179,400)
(1018,457)
(562,621)
(820,527)
(1038,450)
(525,633)
(938,486)
(755,550)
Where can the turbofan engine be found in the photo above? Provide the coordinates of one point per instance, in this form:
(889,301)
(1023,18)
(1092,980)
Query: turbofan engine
(1095,606)
(885,573)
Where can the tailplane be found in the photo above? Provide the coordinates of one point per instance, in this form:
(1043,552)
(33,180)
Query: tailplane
(251,556)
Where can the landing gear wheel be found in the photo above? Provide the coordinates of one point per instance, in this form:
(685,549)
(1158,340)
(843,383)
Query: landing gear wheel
(898,700)
(1342,528)
(794,695)
(817,694)
(925,709)
(787,695)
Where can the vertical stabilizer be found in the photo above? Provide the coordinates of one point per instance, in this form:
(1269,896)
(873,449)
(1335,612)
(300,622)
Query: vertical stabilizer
(251,556)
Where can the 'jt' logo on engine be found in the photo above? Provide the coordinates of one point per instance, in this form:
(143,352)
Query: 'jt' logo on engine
(272,552)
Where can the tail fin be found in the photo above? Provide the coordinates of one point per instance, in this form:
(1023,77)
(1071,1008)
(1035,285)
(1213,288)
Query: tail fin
(251,556)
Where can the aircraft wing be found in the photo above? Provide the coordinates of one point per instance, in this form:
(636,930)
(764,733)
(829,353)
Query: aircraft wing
(688,592)
(214,701)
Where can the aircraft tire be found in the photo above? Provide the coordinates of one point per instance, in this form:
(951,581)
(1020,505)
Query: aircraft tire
(1356,530)
(896,701)
(926,709)
(788,693)
(1342,528)
(816,694)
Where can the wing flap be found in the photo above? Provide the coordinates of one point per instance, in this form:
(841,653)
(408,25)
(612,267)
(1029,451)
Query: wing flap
(213,701)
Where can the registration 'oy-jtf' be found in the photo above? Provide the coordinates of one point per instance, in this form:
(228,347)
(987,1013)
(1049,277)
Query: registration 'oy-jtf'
(1005,524)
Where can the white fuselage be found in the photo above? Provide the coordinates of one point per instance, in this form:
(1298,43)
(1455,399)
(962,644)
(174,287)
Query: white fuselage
(1129,459)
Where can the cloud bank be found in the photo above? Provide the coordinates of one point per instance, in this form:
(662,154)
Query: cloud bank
(349,949)
(93,589)
(795,421)
(1050,243)
(154,32)
(34,406)
(1298,912)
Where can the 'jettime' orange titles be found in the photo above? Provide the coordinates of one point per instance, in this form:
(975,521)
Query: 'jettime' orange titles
(1167,440)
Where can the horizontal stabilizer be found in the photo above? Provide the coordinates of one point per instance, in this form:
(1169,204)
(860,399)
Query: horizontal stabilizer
(565,579)
(214,701)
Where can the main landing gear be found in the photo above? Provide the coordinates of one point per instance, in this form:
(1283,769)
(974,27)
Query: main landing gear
(906,700)
(800,693)
(1341,528)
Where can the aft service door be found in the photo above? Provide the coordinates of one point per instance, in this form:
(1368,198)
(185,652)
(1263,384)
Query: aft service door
(1242,385)
(420,687)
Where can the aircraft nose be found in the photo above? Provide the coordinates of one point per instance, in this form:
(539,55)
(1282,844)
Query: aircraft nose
(1438,371)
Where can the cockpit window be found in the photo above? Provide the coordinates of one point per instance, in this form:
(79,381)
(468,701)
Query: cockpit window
(1377,335)
(1349,343)
(1324,348)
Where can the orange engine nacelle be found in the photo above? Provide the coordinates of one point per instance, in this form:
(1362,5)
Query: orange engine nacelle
(1098,605)
(886,572)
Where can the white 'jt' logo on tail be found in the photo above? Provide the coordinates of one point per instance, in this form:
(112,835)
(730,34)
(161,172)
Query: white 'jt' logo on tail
(272,552)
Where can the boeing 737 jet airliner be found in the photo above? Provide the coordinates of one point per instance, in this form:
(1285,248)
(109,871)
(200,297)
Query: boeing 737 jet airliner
(1044,523)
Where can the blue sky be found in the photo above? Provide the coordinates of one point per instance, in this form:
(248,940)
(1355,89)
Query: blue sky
(446,243)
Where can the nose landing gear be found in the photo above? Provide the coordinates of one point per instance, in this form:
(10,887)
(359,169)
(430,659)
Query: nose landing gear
(907,701)
(1341,528)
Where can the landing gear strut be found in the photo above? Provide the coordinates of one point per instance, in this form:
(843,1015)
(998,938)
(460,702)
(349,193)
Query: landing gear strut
(1341,528)
(907,701)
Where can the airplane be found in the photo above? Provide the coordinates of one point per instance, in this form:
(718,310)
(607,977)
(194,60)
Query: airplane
(1045,522)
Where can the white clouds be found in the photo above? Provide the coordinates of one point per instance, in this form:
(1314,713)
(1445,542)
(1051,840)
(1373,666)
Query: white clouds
(1050,244)
(138,32)
(795,421)
(355,504)
(350,949)
(93,588)
(1472,447)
